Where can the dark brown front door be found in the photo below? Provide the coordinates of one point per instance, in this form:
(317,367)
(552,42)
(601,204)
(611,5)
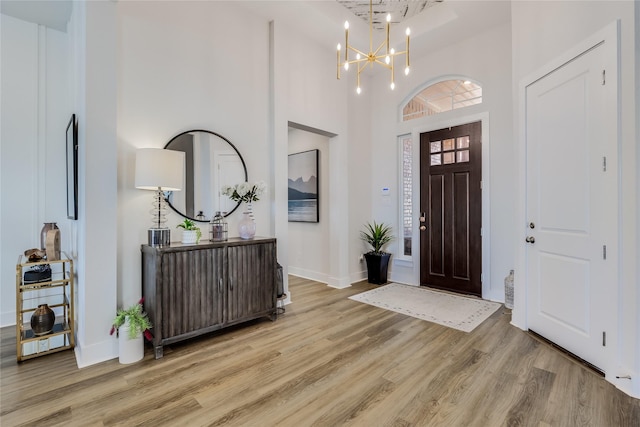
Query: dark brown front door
(451,204)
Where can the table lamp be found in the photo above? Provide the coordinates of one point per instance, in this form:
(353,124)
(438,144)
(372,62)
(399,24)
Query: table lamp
(159,170)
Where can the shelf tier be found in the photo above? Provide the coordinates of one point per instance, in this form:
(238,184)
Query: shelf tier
(53,301)
(61,327)
(31,346)
(24,261)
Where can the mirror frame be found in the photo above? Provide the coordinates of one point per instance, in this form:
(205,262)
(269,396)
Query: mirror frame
(244,166)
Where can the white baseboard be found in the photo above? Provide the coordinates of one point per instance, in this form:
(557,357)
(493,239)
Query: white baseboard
(308,274)
(96,353)
(8,318)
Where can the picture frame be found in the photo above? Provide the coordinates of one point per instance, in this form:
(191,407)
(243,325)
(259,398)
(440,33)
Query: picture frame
(72,168)
(303,187)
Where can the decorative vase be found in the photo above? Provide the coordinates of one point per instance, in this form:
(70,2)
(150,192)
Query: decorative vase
(250,210)
(129,350)
(43,233)
(189,236)
(246,226)
(42,320)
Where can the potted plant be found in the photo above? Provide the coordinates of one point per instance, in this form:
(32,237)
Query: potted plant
(190,231)
(377,235)
(131,325)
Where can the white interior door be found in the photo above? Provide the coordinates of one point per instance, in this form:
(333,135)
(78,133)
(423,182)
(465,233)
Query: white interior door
(571,226)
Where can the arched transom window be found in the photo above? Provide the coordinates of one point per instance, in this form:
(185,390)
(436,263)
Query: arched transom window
(446,95)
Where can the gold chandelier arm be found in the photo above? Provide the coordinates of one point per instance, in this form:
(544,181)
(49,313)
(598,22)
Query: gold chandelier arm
(378,49)
(384,64)
(407,48)
(357,61)
(346,41)
(357,51)
(370,25)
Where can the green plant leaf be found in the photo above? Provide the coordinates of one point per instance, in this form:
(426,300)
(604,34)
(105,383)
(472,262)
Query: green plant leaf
(187,224)
(376,235)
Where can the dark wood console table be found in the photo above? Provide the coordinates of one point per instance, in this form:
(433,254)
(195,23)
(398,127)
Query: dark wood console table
(190,290)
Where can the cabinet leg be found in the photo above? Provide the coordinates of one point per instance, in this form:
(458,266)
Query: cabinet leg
(158,351)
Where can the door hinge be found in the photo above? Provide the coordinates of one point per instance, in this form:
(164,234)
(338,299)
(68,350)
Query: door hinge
(604,164)
(481,185)
(604,339)
(481,277)
(604,79)
(604,251)
(480,231)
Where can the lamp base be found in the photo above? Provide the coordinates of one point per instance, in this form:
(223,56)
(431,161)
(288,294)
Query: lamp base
(159,236)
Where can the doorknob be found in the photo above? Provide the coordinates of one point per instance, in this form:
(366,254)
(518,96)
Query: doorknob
(423,227)
(530,239)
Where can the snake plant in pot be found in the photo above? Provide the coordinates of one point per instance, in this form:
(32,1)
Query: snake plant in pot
(377,235)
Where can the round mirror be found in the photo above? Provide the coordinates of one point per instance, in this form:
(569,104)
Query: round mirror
(211,162)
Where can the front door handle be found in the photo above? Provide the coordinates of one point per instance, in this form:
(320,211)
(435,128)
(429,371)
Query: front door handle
(530,239)
(423,227)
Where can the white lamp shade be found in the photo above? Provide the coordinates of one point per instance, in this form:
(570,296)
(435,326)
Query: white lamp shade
(158,168)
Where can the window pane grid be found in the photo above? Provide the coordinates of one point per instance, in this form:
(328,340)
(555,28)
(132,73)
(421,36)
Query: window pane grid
(449,151)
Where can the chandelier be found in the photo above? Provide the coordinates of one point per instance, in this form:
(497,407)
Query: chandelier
(383,55)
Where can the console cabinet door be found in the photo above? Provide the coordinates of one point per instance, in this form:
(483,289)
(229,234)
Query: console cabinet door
(251,281)
(192,291)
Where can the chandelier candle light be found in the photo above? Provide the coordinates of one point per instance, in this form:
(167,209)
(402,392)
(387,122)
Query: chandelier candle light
(383,55)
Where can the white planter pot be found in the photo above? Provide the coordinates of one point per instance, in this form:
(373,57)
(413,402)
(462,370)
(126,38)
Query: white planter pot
(189,236)
(130,350)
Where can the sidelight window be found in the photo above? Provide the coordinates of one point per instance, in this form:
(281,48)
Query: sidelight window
(406,191)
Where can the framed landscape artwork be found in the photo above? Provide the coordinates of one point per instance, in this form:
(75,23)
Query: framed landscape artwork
(303,187)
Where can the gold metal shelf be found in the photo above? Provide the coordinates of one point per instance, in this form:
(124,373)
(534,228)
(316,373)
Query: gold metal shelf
(58,294)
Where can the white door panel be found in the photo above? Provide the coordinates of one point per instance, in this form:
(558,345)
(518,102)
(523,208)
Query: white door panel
(571,206)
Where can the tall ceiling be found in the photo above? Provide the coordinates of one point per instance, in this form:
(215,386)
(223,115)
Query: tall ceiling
(50,13)
(432,22)
(376,11)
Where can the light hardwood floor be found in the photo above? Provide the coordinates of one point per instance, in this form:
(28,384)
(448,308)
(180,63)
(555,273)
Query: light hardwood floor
(328,361)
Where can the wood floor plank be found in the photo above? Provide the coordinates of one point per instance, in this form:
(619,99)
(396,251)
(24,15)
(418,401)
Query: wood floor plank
(327,361)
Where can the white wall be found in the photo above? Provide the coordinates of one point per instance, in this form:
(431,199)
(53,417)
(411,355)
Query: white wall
(93,50)
(35,113)
(306,92)
(565,25)
(181,67)
(362,172)
(308,242)
(485,58)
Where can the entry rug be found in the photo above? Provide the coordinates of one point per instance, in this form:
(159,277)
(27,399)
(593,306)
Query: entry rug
(445,309)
